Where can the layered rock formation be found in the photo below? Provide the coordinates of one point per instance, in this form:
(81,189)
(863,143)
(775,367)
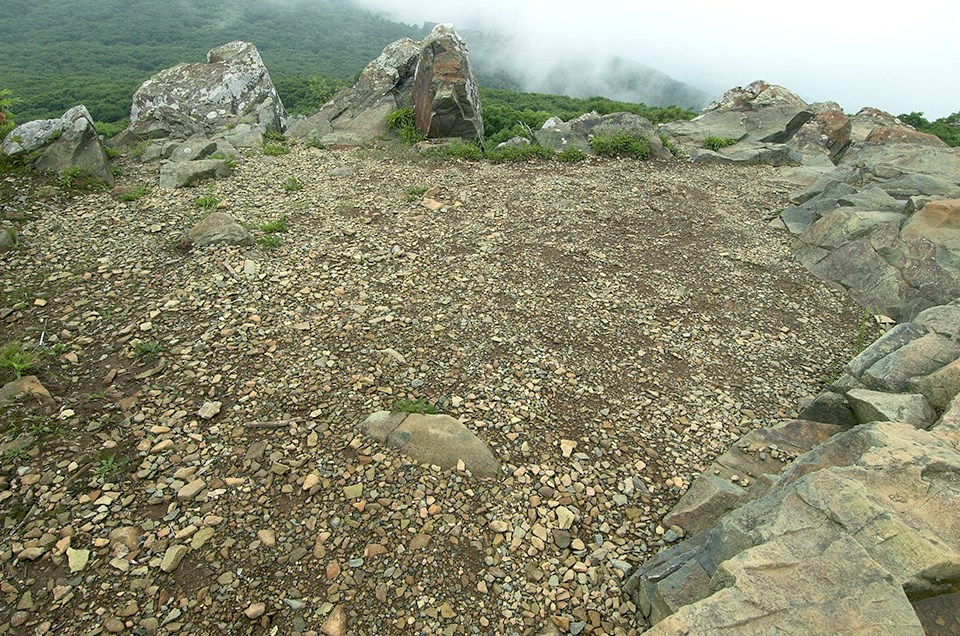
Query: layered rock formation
(846,536)
(446,99)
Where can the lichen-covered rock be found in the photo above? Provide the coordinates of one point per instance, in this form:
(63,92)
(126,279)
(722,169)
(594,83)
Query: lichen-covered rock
(180,174)
(446,97)
(55,145)
(219,228)
(231,87)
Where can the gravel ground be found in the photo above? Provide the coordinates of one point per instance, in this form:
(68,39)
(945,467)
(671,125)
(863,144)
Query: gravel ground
(607,328)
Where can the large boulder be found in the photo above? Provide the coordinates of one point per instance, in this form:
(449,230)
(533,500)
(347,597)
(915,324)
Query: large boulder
(446,97)
(55,145)
(180,174)
(219,228)
(577,133)
(358,114)
(231,87)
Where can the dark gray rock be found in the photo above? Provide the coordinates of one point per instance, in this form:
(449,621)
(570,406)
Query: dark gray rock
(830,408)
(877,406)
(446,96)
(180,174)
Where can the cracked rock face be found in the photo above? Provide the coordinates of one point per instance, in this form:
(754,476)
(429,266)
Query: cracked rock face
(231,87)
(445,93)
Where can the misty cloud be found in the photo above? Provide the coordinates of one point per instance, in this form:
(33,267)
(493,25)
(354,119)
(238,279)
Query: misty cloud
(900,58)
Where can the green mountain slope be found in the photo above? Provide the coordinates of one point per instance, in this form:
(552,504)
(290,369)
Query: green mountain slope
(59,53)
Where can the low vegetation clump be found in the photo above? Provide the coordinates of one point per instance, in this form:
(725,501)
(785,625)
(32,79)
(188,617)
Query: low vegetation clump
(571,155)
(273,149)
(620,144)
(274,226)
(403,123)
(674,149)
(292,184)
(456,150)
(716,143)
(16,359)
(270,241)
(77,178)
(414,193)
(6,118)
(133,194)
(111,129)
(208,203)
(946,128)
(420,405)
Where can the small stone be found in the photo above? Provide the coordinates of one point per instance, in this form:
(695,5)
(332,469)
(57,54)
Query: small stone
(312,480)
(447,611)
(209,410)
(499,526)
(267,538)
(191,490)
(172,557)
(77,559)
(336,623)
(31,554)
(567,447)
(255,610)
(419,542)
(353,492)
(113,625)
(333,570)
(565,518)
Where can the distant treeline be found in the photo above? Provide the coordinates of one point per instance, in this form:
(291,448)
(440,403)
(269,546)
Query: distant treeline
(946,128)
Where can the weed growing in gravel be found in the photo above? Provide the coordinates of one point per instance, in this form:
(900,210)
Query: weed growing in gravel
(14,452)
(230,161)
(109,466)
(132,194)
(273,135)
(420,405)
(17,359)
(78,178)
(314,142)
(619,144)
(415,193)
(208,203)
(716,143)
(271,149)
(146,351)
(274,226)
(292,184)
(520,153)
(12,233)
(571,155)
(868,330)
(270,241)
(112,153)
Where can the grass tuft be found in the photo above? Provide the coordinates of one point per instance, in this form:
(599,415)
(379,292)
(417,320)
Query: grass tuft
(420,405)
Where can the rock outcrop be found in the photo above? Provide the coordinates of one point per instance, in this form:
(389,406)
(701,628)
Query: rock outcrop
(849,535)
(577,133)
(446,98)
(433,77)
(358,114)
(55,145)
(231,88)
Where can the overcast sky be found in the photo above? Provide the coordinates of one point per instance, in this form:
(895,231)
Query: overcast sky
(899,57)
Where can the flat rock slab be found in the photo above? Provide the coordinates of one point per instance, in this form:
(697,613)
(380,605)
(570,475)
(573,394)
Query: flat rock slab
(180,174)
(433,439)
(214,229)
(27,387)
(876,406)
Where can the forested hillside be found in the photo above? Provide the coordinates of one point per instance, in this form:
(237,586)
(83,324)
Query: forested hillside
(59,53)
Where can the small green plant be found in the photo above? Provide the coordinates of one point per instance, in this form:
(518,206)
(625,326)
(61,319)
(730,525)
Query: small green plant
(14,452)
(620,144)
(270,241)
(111,129)
(56,134)
(112,153)
(230,161)
(273,149)
(133,194)
(208,202)
(669,145)
(6,119)
(868,330)
(146,351)
(116,170)
(403,122)
(274,226)
(17,359)
(71,177)
(571,155)
(415,193)
(273,135)
(420,405)
(520,153)
(314,142)
(38,428)
(292,184)
(716,143)
(109,465)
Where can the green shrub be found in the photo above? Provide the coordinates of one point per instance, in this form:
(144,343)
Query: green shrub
(6,118)
(292,184)
(111,129)
(716,143)
(456,150)
(946,128)
(669,145)
(273,135)
(620,144)
(79,178)
(571,155)
(112,153)
(272,149)
(146,351)
(519,153)
(403,122)
(270,241)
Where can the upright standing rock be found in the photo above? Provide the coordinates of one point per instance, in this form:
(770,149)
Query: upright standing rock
(232,87)
(445,93)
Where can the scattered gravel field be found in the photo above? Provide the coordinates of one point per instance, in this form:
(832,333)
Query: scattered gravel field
(606,327)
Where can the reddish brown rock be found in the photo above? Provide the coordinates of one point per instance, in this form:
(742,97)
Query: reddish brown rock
(445,93)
